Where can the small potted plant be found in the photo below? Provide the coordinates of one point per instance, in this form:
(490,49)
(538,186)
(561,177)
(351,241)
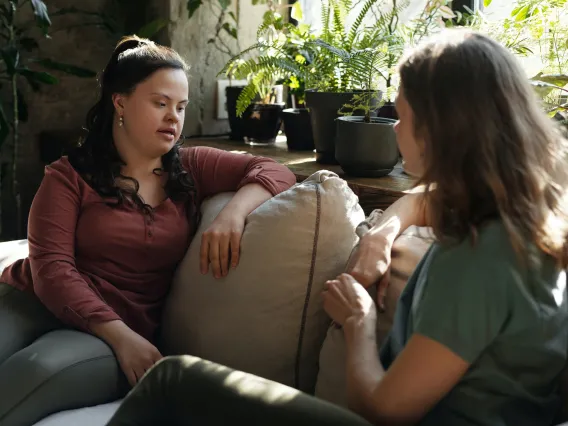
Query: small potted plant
(365,145)
(279,59)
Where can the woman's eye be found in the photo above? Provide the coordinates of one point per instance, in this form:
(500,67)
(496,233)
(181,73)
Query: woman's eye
(181,109)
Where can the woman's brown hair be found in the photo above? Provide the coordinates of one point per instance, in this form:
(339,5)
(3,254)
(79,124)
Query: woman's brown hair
(490,149)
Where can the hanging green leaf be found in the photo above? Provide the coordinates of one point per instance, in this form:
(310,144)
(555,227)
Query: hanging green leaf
(11,58)
(42,18)
(522,13)
(486,3)
(66,68)
(224,4)
(4,126)
(36,78)
(297,12)
(232,31)
(232,15)
(152,28)
(192,6)
(559,80)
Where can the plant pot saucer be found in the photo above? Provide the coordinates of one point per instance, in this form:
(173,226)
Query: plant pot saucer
(356,172)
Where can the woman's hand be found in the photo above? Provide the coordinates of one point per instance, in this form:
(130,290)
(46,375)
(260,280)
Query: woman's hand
(135,354)
(371,262)
(345,298)
(220,243)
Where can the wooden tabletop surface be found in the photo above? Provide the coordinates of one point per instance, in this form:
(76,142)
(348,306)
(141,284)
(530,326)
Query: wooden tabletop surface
(373,192)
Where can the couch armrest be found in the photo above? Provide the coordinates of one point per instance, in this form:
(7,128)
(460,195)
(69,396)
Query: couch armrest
(10,251)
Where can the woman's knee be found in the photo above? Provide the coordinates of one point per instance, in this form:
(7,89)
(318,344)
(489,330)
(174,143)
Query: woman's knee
(23,318)
(61,370)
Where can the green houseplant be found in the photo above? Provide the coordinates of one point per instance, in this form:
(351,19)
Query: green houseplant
(21,63)
(537,32)
(366,145)
(266,65)
(281,59)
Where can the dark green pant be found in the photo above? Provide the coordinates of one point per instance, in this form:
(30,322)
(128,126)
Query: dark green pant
(185,390)
(45,367)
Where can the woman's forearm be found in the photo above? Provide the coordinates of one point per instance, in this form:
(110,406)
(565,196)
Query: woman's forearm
(246,200)
(406,211)
(363,370)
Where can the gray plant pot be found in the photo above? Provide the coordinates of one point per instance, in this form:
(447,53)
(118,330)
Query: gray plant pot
(366,149)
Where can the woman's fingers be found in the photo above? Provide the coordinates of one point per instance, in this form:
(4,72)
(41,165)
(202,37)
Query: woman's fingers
(204,254)
(382,290)
(235,248)
(224,254)
(131,376)
(214,259)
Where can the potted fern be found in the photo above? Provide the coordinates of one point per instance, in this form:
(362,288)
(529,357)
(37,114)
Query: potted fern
(278,58)
(330,80)
(366,145)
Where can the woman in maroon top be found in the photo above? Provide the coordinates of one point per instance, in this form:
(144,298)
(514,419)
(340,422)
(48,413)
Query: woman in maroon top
(110,223)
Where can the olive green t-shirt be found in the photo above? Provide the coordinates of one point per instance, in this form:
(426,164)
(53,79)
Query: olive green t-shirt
(508,320)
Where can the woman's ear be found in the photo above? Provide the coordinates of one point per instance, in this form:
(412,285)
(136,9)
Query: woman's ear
(118,102)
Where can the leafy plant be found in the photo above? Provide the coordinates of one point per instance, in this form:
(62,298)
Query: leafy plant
(543,24)
(276,58)
(21,63)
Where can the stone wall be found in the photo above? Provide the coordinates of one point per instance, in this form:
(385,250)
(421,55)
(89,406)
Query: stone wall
(191,39)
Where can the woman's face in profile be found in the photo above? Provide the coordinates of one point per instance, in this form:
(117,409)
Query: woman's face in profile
(411,148)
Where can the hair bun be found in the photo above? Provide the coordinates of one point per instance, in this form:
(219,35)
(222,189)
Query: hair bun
(128,43)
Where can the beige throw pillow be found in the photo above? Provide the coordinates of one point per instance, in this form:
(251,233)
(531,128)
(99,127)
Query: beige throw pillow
(406,253)
(266,317)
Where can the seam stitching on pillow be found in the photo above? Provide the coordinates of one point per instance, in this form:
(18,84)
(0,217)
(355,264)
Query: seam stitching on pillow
(308,290)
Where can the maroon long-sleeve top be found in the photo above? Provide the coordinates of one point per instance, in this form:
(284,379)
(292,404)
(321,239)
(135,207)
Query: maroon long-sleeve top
(90,262)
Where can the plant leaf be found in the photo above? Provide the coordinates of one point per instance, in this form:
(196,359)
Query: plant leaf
(224,4)
(151,29)
(486,3)
(66,68)
(297,12)
(42,18)
(4,126)
(560,80)
(192,6)
(35,78)
(11,58)
(232,31)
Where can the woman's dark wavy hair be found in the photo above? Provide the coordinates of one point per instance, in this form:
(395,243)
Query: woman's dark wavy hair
(97,159)
(490,149)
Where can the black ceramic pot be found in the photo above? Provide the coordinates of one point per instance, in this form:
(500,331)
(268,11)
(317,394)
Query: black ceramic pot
(366,149)
(388,111)
(298,129)
(263,123)
(323,113)
(237,124)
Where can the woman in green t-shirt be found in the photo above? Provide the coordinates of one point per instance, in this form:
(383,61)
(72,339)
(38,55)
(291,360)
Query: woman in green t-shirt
(480,332)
